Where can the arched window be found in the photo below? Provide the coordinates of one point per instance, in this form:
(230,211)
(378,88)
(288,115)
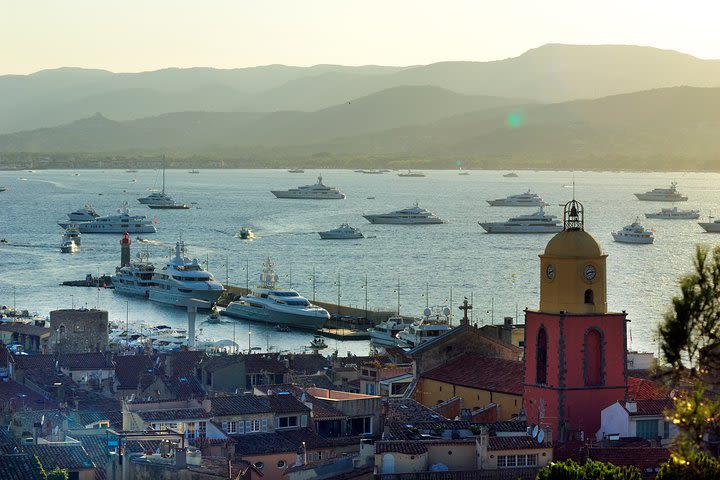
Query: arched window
(388,463)
(593,357)
(541,357)
(589,297)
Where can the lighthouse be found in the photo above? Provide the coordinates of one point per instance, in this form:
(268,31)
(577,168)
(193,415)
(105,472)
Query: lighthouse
(125,250)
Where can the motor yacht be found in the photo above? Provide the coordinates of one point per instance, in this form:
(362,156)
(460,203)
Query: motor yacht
(343,232)
(536,222)
(510,175)
(711,226)
(434,323)
(411,173)
(269,304)
(120,223)
(194,171)
(317,191)
(674,214)
(73,233)
(634,233)
(384,332)
(135,279)
(526,199)
(663,195)
(183,278)
(245,234)
(296,170)
(85,214)
(408,216)
(68,246)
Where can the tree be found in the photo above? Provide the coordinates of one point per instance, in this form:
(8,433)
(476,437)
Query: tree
(695,466)
(590,470)
(58,474)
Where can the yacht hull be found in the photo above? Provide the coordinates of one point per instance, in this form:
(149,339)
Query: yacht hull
(501,228)
(504,203)
(174,206)
(333,236)
(681,216)
(379,219)
(635,240)
(646,197)
(711,227)
(171,297)
(300,196)
(273,317)
(379,338)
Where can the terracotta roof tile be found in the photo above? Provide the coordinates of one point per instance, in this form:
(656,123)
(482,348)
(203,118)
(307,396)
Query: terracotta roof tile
(481,372)
(172,414)
(97,449)
(72,457)
(129,370)
(262,443)
(646,459)
(286,404)
(24,328)
(229,405)
(18,397)
(644,389)
(408,410)
(258,362)
(323,410)
(520,442)
(33,362)
(84,361)
(651,407)
(405,447)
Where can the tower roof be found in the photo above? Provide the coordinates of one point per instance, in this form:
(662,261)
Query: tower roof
(573,243)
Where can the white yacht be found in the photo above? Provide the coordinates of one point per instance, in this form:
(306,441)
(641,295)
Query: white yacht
(526,199)
(120,223)
(135,279)
(269,304)
(317,191)
(711,226)
(674,214)
(634,233)
(343,232)
(183,278)
(161,200)
(384,332)
(411,173)
(510,175)
(85,214)
(432,325)
(537,222)
(73,233)
(68,245)
(407,216)
(663,195)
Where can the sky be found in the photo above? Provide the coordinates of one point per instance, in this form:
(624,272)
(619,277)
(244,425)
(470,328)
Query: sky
(141,35)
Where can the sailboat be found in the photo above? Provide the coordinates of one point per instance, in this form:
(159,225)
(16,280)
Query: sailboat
(161,200)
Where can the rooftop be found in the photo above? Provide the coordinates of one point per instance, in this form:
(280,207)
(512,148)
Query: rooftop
(481,372)
(405,447)
(19,466)
(519,442)
(262,443)
(24,328)
(72,457)
(84,361)
(239,405)
(172,414)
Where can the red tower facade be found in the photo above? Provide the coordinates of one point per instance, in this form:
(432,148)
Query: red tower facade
(575,350)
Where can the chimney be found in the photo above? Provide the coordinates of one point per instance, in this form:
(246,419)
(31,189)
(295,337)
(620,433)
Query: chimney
(125,250)
(631,407)
(37,432)
(508,322)
(180,458)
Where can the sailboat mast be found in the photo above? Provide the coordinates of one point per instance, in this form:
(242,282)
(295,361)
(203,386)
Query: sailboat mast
(163,188)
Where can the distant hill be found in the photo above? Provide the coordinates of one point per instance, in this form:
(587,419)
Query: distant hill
(551,73)
(664,128)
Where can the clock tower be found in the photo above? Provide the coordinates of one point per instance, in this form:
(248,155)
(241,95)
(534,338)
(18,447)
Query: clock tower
(575,350)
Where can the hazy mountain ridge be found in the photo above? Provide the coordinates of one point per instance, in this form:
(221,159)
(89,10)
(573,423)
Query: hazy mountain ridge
(550,73)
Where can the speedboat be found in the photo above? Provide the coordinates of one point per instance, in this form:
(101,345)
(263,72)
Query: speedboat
(214,317)
(296,170)
(711,226)
(182,278)
(526,199)
(317,191)
(85,214)
(68,246)
(384,332)
(408,216)
(120,223)
(343,232)
(269,304)
(537,222)
(3,188)
(434,323)
(510,175)
(663,195)
(674,214)
(317,343)
(411,173)
(72,233)
(634,233)
(194,171)
(245,234)
(137,278)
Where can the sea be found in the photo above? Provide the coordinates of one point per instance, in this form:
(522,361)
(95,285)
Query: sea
(395,266)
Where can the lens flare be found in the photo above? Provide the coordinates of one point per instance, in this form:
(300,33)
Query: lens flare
(516,118)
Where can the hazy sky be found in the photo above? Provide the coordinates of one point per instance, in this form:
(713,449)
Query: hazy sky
(137,35)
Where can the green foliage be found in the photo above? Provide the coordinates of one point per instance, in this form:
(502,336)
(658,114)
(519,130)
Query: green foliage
(590,470)
(696,415)
(58,474)
(693,323)
(692,466)
(43,475)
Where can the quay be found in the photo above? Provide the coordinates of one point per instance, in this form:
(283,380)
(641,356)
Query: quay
(344,334)
(104,281)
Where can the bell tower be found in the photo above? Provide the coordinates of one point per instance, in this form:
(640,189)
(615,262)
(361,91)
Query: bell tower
(575,350)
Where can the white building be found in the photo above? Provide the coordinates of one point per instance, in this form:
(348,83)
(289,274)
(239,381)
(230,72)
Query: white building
(642,418)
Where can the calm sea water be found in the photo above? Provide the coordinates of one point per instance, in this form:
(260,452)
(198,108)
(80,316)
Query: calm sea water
(499,272)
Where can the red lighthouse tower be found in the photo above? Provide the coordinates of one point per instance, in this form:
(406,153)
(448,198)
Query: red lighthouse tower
(575,350)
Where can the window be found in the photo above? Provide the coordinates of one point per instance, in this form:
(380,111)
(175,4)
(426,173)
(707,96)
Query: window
(287,422)
(208,380)
(666,429)
(541,357)
(647,429)
(259,465)
(593,357)
(361,426)
(202,429)
(589,297)
(254,426)
(232,427)
(512,461)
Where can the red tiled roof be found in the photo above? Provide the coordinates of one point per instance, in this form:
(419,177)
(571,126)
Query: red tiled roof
(481,372)
(172,414)
(258,362)
(19,397)
(520,442)
(84,361)
(19,466)
(408,448)
(286,404)
(646,459)
(24,328)
(129,369)
(644,389)
(652,407)
(323,410)
(32,362)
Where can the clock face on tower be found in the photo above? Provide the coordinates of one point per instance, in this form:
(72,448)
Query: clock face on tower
(550,272)
(589,273)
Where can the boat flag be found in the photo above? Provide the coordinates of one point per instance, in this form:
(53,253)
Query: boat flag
(155,220)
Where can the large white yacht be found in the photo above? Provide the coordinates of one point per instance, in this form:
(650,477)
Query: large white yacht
(526,199)
(384,332)
(634,233)
(317,191)
(343,232)
(135,279)
(711,226)
(120,223)
(407,216)
(432,325)
(537,222)
(276,306)
(674,214)
(85,214)
(183,278)
(663,195)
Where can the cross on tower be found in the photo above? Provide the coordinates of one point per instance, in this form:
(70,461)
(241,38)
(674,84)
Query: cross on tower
(465,307)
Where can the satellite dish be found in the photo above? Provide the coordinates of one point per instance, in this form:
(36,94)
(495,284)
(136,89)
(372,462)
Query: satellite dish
(446,311)
(427,312)
(535,431)
(541,436)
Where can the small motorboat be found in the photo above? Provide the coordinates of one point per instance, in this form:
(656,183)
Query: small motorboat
(510,175)
(282,328)
(68,246)
(245,234)
(214,317)
(317,343)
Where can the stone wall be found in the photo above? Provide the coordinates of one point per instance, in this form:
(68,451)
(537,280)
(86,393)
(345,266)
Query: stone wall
(79,331)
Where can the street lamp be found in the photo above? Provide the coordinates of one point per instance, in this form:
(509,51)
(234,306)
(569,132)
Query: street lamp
(398,294)
(249,347)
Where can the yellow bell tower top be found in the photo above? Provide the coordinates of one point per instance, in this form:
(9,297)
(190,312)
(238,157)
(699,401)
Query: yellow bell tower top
(572,269)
